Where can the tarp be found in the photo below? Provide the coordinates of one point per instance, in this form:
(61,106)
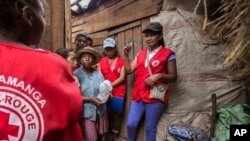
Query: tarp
(200,72)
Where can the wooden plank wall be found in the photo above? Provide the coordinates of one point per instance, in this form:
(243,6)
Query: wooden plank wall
(114,14)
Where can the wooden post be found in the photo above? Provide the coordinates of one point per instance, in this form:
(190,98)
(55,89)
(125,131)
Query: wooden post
(68,33)
(57,24)
(214,113)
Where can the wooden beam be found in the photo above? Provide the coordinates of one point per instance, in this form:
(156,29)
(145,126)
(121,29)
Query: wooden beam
(78,19)
(98,41)
(128,26)
(57,26)
(123,12)
(99,34)
(68,34)
(92,35)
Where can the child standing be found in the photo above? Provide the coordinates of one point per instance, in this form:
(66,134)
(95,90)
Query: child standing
(94,118)
(112,68)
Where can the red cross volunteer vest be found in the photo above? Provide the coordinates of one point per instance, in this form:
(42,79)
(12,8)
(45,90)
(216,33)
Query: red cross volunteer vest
(157,64)
(110,75)
(39,99)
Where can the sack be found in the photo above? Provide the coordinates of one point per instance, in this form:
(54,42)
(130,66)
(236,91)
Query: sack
(115,104)
(182,132)
(158,91)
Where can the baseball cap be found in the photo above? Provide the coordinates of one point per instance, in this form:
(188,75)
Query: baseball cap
(104,90)
(154,26)
(109,42)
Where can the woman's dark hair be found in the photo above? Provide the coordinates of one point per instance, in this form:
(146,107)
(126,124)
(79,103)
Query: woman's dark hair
(64,52)
(80,35)
(162,42)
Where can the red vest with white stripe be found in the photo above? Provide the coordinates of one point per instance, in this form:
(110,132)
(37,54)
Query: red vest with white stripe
(158,64)
(110,75)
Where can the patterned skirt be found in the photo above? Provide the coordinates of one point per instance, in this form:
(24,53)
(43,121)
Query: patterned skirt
(93,128)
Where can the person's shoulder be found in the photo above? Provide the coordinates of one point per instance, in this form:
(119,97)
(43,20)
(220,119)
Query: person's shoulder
(98,72)
(167,49)
(49,57)
(119,58)
(38,55)
(49,61)
(33,54)
(104,58)
(142,51)
(77,71)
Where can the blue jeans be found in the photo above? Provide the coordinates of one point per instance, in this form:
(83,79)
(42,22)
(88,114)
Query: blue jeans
(152,114)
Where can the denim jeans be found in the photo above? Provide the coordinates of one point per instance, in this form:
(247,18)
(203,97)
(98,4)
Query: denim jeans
(152,113)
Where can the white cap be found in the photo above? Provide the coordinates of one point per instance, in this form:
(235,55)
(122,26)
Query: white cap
(109,42)
(104,90)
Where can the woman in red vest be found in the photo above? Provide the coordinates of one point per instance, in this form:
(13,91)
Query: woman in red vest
(162,63)
(112,68)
